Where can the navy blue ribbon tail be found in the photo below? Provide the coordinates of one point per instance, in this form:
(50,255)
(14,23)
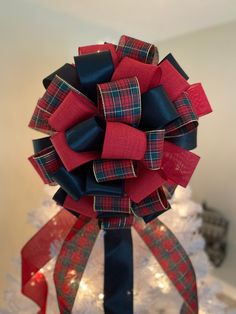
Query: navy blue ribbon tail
(118,272)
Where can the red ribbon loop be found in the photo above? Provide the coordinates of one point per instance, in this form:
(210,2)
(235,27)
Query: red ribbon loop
(74,108)
(123,142)
(148,75)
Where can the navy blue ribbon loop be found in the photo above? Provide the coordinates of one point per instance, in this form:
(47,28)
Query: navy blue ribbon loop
(118,273)
(71,182)
(87,135)
(157,109)
(93,69)
(151,217)
(41,143)
(59,197)
(115,188)
(68,73)
(187,141)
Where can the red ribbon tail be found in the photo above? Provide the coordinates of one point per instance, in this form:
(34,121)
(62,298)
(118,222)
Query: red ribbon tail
(173,259)
(36,254)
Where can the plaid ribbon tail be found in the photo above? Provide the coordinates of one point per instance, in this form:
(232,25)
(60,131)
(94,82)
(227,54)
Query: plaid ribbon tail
(72,260)
(173,259)
(36,254)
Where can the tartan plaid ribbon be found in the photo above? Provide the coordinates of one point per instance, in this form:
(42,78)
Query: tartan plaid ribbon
(137,49)
(153,155)
(72,260)
(114,204)
(120,101)
(47,105)
(187,121)
(45,163)
(173,259)
(154,203)
(107,170)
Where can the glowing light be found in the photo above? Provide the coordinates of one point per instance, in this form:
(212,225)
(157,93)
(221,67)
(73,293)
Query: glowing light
(32,283)
(162,228)
(72,281)
(158,275)
(83,285)
(72,272)
(151,268)
(161,285)
(101,296)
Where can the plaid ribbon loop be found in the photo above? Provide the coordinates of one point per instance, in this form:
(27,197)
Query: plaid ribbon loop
(156,202)
(137,49)
(120,101)
(46,162)
(112,204)
(154,152)
(108,170)
(187,120)
(47,105)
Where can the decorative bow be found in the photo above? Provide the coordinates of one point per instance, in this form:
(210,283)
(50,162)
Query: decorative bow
(121,126)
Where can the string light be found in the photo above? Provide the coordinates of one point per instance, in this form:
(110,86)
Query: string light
(83,286)
(72,272)
(101,296)
(158,275)
(54,221)
(162,228)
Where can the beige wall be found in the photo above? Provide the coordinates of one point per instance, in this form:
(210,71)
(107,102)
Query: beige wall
(34,42)
(209,56)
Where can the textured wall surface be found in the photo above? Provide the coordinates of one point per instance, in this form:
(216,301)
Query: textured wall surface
(209,56)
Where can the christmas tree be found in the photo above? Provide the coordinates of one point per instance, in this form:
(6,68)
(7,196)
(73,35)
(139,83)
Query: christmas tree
(153,292)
